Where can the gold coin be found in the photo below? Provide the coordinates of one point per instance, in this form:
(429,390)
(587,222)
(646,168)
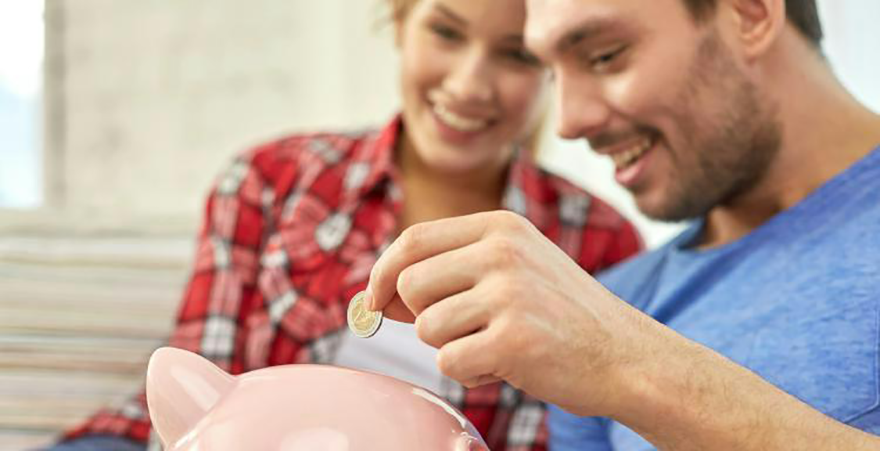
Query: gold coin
(361,321)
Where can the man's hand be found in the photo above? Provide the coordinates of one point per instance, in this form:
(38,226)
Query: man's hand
(500,301)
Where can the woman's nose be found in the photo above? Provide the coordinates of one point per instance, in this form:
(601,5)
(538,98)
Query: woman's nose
(470,79)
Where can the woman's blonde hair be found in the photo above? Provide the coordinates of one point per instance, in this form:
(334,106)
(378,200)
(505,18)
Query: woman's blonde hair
(399,8)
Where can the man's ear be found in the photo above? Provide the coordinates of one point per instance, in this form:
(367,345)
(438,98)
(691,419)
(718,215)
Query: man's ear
(758,24)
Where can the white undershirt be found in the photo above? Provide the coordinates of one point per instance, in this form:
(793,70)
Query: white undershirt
(395,351)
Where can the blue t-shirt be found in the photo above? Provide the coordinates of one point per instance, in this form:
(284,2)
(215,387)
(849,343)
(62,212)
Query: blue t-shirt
(797,301)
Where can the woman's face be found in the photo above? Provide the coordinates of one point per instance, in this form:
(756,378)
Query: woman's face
(470,89)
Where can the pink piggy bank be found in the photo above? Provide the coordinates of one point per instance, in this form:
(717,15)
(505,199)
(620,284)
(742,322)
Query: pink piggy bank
(196,406)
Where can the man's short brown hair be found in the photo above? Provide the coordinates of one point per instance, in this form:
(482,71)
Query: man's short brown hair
(803,14)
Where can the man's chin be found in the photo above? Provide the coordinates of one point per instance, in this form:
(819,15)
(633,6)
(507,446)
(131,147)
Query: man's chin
(663,210)
(649,205)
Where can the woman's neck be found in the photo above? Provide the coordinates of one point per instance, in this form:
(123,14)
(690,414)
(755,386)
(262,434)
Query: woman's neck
(431,194)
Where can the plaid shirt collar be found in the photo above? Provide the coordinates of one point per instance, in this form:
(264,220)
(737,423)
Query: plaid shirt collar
(377,154)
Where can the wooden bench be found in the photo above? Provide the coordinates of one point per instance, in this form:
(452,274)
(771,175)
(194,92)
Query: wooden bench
(78,319)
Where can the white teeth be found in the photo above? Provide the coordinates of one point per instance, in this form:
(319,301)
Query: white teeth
(457,122)
(624,158)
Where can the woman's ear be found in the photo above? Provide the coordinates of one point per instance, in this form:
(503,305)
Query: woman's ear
(398,31)
(400,23)
(399,12)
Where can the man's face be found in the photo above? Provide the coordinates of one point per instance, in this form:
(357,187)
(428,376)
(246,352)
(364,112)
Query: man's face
(664,96)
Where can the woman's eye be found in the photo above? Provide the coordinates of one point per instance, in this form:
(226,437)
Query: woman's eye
(447,33)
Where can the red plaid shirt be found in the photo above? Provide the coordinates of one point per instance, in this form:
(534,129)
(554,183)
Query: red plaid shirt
(291,232)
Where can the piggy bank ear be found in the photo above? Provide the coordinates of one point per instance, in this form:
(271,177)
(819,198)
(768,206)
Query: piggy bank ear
(182,387)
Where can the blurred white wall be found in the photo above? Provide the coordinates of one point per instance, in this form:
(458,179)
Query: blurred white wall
(147,100)
(852,43)
(159,94)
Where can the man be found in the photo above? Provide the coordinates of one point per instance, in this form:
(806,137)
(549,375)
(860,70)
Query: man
(757,328)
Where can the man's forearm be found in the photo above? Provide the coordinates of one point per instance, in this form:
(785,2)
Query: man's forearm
(696,399)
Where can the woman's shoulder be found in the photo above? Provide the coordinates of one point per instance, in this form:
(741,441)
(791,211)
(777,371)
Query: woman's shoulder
(273,170)
(569,197)
(315,149)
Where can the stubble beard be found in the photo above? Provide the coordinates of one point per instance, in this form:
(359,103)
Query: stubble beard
(727,151)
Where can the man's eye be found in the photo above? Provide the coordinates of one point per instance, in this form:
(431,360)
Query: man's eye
(522,56)
(604,60)
(447,33)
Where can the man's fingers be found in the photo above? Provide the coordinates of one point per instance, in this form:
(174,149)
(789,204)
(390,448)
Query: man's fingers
(438,277)
(398,311)
(418,243)
(480,381)
(469,358)
(453,318)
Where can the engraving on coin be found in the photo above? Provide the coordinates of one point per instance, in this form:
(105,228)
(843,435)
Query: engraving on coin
(361,321)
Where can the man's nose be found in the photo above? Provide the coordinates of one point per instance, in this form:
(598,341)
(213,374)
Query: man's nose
(582,110)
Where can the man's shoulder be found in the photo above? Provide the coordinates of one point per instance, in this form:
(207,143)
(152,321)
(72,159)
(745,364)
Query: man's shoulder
(634,269)
(627,279)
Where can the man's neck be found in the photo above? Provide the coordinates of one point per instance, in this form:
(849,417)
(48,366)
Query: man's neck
(825,131)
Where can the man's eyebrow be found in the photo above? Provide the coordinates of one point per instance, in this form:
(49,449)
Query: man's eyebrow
(586,31)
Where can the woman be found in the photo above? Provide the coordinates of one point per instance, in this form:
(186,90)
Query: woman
(294,227)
